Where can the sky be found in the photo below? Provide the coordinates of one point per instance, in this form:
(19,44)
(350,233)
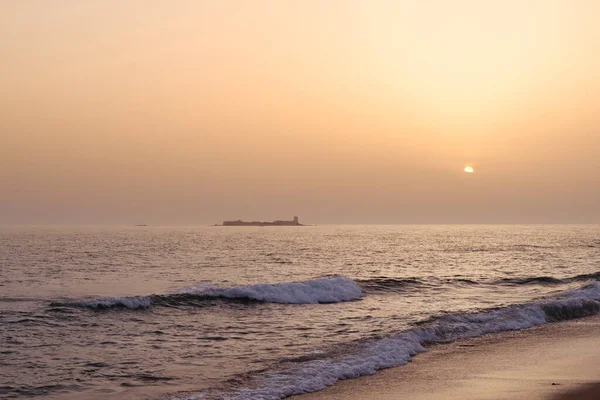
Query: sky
(340,111)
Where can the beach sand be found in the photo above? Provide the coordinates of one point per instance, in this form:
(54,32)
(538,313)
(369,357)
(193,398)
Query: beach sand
(558,361)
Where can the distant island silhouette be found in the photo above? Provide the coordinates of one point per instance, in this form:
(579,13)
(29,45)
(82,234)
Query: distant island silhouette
(294,222)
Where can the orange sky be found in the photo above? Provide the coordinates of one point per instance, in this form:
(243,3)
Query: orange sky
(146,111)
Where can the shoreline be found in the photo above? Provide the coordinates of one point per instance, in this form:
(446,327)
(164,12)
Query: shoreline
(554,361)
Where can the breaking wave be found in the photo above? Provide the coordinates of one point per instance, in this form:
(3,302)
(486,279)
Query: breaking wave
(315,291)
(396,350)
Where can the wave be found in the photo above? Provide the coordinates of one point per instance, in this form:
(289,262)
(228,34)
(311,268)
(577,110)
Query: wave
(549,279)
(315,291)
(17,299)
(398,349)
(332,289)
(386,284)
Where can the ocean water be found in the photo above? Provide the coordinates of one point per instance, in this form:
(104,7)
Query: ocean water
(264,313)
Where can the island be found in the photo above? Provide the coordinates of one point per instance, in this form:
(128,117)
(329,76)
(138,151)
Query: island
(294,222)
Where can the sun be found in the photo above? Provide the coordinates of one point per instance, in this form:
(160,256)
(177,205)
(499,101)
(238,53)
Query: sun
(469,169)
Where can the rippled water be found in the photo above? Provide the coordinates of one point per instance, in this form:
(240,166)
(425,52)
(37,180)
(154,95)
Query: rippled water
(166,312)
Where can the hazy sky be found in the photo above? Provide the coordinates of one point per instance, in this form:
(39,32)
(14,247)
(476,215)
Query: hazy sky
(146,111)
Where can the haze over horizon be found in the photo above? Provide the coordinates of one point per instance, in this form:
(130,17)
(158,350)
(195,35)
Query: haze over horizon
(339,112)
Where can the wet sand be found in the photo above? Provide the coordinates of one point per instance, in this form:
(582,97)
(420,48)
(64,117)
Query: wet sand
(559,361)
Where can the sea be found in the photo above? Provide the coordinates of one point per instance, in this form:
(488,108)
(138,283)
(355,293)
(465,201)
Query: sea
(207,312)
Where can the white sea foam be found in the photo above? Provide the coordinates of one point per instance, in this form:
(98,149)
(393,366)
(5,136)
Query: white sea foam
(323,290)
(396,350)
